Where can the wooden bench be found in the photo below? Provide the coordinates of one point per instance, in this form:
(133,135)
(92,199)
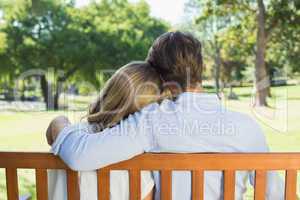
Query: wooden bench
(165,163)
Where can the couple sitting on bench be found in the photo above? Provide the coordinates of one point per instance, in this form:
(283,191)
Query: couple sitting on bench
(156,106)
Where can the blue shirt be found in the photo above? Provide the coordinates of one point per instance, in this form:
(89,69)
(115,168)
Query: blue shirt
(194,122)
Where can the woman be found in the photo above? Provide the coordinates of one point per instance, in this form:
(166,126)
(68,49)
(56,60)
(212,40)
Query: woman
(131,88)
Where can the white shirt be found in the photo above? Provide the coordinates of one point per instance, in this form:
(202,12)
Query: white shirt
(195,122)
(119,184)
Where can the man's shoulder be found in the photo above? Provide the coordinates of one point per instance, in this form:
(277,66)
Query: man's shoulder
(244,121)
(247,128)
(239,117)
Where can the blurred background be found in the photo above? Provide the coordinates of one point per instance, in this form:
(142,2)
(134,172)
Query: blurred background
(55,56)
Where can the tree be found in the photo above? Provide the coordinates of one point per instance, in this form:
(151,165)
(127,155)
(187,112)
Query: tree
(211,26)
(265,20)
(262,81)
(55,35)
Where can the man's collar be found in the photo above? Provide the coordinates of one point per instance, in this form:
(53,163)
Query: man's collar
(200,95)
(206,101)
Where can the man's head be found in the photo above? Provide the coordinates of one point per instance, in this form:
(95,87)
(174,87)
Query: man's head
(177,57)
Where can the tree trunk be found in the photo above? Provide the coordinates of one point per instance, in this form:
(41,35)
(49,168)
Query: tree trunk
(47,93)
(58,91)
(51,96)
(262,82)
(52,92)
(217,68)
(56,101)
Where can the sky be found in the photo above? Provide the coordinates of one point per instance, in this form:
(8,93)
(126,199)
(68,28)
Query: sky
(169,10)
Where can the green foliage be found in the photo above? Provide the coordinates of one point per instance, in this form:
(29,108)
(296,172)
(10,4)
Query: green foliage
(55,34)
(233,24)
(221,39)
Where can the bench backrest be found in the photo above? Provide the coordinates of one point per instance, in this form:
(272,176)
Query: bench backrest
(229,163)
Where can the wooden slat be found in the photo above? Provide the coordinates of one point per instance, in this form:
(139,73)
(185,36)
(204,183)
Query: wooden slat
(291,185)
(72,185)
(260,185)
(168,161)
(197,185)
(211,161)
(229,185)
(41,184)
(12,184)
(31,160)
(166,185)
(261,162)
(135,184)
(103,184)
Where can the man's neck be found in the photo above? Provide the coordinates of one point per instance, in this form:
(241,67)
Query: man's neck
(197,89)
(194,89)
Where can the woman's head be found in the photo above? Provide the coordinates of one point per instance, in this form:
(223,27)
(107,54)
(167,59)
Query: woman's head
(132,87)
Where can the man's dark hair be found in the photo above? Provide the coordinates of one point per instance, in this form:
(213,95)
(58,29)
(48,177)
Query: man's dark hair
(177,58)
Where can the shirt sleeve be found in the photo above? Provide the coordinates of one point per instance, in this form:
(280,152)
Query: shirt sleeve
(81,150)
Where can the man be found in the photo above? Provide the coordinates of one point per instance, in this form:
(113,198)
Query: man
(194,122)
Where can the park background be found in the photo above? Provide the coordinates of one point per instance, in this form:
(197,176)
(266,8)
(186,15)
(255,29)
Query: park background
(55,55)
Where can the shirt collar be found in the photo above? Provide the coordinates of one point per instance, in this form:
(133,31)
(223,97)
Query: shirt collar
(199,95)
(205,101)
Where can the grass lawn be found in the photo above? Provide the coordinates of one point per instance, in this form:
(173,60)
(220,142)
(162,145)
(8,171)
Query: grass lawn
(24,131)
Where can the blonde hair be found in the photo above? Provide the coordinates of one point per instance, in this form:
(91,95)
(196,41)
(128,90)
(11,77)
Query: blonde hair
(132,87)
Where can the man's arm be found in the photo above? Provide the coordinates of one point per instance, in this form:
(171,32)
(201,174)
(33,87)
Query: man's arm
(82,150)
